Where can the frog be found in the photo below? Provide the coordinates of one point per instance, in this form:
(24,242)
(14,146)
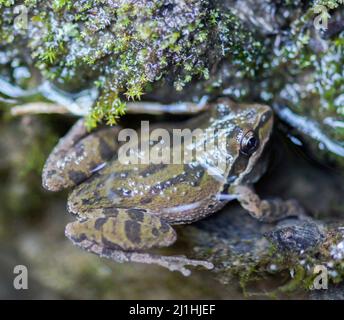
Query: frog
(125,210)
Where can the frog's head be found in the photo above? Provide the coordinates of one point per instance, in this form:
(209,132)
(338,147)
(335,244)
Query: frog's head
(247,129)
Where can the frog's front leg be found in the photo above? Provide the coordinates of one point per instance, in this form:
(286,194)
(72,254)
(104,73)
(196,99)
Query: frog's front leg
(123,234)
(266,210)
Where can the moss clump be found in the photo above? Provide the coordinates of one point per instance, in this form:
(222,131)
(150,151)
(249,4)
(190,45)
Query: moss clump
(126,45)
(330,4)
(306,76)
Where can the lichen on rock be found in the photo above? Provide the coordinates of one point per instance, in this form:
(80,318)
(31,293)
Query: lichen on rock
(124,46)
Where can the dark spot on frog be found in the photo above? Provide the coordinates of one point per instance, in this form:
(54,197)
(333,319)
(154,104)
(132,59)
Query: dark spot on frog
(191,175)
(79,150)
(136,214)
(155,232)
(110,212)
(78,238)
(99,223)
(50,173)
(133,231)
(137,210)
(165,227)
(87,202)
(77,176)
(104,150)
(109,246)
(146,201)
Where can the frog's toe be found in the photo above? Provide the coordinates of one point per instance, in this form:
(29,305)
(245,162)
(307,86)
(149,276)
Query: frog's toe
(179,263)
(172,263)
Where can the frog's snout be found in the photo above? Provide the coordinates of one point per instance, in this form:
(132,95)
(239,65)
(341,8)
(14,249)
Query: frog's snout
(50,180)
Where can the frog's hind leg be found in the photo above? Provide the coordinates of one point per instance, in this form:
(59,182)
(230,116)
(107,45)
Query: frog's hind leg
(122,235)
(78,155)
(270,210)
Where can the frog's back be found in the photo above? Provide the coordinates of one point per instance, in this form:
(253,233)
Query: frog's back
(177,192)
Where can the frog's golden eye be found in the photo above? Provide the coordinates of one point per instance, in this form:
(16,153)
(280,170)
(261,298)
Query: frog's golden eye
(249,143)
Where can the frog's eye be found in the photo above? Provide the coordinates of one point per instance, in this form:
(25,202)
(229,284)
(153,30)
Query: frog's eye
(249,143)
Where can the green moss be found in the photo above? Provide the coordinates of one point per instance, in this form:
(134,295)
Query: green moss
(306,75)
(126,47)
(331,4)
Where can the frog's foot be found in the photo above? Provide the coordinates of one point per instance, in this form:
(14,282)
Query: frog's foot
(122,236)
(173,263)
(268,210)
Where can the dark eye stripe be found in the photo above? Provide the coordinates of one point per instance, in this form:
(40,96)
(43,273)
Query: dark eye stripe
(265,117)
(241,162)
(239,165)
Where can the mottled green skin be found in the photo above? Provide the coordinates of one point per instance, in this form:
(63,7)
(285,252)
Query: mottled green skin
(138,202)
(126,230)
(176,185)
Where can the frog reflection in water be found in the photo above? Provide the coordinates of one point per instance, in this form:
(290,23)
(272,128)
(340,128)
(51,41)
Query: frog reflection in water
(125,209)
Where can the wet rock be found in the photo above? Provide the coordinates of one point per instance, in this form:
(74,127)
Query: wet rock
(296,235)
(308,96)
(281,257)
(267,17)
